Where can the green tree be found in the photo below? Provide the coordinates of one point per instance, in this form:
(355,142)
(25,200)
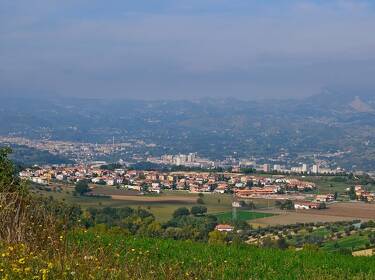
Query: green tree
(351,193)
(198,210)
(180,212)
(9,182)
(82,187)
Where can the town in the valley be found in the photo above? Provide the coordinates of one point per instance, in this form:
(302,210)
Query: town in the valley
(298,189)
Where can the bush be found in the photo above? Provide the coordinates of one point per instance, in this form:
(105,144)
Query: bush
(198,210)
(182,211)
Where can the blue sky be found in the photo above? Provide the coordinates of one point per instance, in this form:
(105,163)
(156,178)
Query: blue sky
(185,49)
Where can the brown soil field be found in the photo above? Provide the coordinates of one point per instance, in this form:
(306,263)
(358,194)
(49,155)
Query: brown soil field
(335,212)
(293,217)
(113,191)
(157,199)
(355,210)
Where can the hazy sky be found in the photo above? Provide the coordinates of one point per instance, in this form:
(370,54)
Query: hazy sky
(185,48)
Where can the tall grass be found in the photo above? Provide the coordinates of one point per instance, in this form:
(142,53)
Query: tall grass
(105,255)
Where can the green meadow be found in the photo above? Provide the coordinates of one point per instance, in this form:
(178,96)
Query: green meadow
(241,215)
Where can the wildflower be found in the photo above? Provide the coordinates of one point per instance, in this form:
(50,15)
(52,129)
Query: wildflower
(44,272)
(21,261)
(16,270)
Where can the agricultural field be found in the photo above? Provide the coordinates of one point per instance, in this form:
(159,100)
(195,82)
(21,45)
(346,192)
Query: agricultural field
(241,215)
(354,210)
(340,211)
(162,206)
(292,217)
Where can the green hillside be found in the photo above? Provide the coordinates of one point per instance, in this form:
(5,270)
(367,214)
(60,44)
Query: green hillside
(93,255)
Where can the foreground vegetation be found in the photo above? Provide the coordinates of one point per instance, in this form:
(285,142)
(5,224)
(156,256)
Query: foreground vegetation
(106,255)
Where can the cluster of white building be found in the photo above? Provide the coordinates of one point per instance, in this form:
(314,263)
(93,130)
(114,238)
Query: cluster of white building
(189,160)
(304,168)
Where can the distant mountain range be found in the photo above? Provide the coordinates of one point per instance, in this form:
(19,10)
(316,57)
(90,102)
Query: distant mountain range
(328,122)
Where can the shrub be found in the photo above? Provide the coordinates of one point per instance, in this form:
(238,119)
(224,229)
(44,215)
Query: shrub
(198,210)
(182,211)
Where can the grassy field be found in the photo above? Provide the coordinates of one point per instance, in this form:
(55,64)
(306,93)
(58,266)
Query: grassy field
(331,184)
(93,255)
(241,216)
(353,243)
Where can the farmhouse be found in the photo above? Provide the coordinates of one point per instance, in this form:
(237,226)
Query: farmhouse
(306,205)
(325,198)
(224,228)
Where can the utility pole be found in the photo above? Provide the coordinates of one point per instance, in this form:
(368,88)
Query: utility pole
(234,209)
